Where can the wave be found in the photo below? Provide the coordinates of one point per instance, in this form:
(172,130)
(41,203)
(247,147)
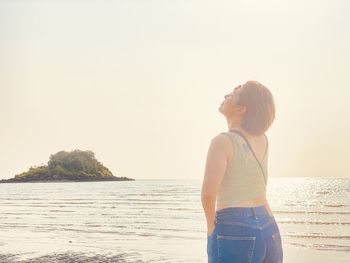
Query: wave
(316,205)
(313,222)
(343,248)
(316,235)
(313,212)
(334,205)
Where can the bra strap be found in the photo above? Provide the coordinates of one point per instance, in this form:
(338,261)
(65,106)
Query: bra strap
(246,140)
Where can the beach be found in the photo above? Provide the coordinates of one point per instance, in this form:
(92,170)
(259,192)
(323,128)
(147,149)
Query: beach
(70,257)
(291,255)
(302,255)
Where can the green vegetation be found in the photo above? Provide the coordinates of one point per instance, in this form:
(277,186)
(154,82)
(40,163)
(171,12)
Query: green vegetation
(75,165)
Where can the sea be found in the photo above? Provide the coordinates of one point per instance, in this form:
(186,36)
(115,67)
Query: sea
(160,220)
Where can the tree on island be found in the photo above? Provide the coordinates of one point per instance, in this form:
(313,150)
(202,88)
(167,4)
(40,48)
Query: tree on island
(75,165)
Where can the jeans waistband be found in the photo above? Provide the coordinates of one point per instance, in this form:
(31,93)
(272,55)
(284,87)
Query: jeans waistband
(243,211)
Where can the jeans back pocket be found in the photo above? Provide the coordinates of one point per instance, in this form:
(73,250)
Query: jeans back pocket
(235,248)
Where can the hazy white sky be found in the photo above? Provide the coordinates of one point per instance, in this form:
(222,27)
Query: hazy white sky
(139,82)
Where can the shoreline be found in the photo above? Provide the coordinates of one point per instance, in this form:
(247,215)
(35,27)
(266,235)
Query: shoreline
(291,254)
(68,256)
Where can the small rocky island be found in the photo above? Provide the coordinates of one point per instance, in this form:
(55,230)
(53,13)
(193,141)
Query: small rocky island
(76,166)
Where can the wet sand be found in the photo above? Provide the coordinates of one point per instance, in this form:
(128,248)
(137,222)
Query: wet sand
(303,255)
(70,257)
(291,255)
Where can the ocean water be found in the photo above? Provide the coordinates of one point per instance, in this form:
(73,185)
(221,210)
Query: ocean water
(160,220)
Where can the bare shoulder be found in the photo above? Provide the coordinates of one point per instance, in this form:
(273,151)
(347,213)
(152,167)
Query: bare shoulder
(220,139)
(222,143)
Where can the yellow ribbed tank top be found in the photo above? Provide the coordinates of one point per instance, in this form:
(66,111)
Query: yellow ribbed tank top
(243,178)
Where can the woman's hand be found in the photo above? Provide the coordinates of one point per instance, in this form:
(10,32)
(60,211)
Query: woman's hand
(210,229)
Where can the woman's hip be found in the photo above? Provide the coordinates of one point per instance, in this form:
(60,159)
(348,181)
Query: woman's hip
(246,229)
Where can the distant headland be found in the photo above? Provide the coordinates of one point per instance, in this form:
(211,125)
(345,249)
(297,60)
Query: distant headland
(73,166)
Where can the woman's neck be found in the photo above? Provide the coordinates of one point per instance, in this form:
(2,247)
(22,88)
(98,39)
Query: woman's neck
(234,125)
(246,134)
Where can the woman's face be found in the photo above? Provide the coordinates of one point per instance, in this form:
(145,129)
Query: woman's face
(230,103)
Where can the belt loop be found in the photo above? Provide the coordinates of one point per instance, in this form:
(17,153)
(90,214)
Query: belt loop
(254,213)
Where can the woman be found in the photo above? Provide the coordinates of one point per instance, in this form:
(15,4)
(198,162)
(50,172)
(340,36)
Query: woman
(240,225)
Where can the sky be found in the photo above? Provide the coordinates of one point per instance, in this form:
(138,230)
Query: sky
(139,82)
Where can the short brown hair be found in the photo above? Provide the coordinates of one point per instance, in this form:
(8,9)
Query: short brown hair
(260,106)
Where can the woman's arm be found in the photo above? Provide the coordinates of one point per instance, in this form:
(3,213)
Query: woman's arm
(215,168)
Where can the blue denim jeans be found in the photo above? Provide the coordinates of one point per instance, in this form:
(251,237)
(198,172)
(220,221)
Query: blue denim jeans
(245,235)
